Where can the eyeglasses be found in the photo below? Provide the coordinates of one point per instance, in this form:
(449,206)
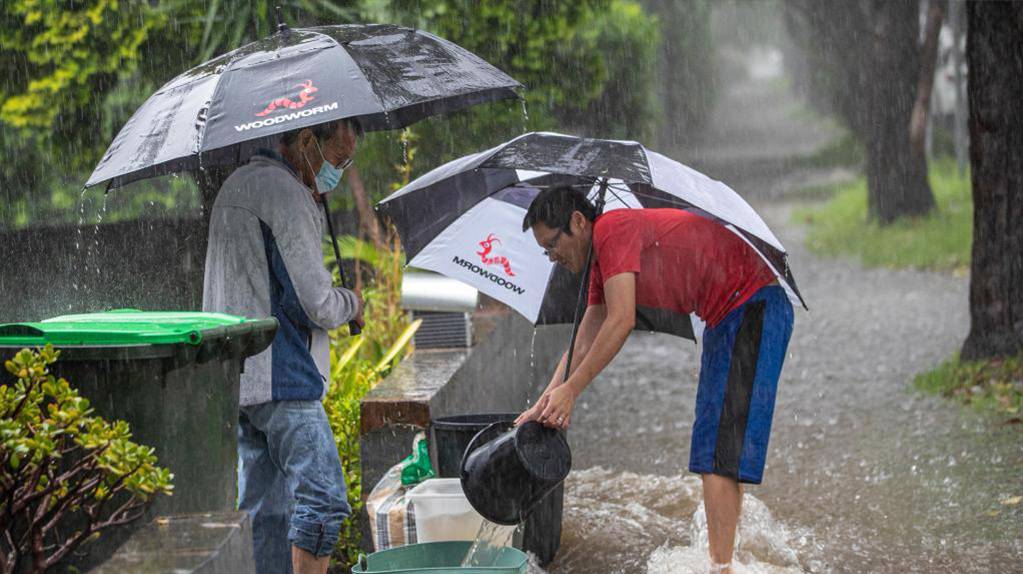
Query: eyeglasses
(553,243)
(345,164)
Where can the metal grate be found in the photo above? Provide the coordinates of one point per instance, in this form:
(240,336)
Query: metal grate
(442,329)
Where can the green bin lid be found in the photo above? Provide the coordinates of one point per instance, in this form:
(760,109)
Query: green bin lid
(122,327)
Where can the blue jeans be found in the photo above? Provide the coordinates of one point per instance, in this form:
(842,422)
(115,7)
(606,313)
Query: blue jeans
(289,480)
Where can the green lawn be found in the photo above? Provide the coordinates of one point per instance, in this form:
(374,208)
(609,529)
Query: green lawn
(992,385)
(940,241)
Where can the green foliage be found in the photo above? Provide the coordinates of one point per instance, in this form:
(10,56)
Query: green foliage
(626,39)
(994,385)
(379,273)
(73,76)
(358,364)
(65,473)
(534,41)
(940,241)
(70,50)
(60,62)
(350,380)
(219,26)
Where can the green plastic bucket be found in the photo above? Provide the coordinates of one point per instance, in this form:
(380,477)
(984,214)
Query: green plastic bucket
(438,558)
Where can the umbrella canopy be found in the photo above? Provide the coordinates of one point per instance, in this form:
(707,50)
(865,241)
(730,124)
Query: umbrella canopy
(218,113)
(464,218)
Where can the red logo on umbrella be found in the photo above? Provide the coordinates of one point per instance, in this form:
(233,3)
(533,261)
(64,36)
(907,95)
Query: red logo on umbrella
(304,97)
(488,246)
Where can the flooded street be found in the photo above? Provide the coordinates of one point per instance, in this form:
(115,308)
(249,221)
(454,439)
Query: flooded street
(864,474)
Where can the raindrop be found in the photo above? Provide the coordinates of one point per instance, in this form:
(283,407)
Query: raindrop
(95,232)
(532,355)
(81,221)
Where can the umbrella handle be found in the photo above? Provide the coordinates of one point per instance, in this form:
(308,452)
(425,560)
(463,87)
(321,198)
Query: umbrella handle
(353,327)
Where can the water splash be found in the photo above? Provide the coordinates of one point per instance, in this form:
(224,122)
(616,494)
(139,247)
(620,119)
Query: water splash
(533,566)
(629,522)
(763,546)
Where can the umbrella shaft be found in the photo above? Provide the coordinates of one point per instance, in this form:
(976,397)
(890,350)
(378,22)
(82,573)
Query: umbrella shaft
(353,327)
(580,304)
(580,309)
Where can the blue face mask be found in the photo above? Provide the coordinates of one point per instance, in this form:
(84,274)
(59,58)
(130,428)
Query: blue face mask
(329,175)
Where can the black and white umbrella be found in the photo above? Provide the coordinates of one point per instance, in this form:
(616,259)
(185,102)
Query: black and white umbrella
(464,218)
(218,113)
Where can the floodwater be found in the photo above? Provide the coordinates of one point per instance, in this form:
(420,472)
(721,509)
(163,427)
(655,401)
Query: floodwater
(633,522)
(864,474)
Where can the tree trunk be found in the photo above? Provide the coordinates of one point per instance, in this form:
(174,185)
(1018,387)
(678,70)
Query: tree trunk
(925,83)
(897,183)
(863,55)
(896,177)
(955,17)
(994,55)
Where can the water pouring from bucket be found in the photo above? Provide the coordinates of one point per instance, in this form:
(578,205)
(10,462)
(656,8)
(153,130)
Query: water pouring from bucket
(489,543)
(506,473)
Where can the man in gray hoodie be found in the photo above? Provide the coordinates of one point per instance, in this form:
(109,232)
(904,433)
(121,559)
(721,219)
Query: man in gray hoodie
(265,258)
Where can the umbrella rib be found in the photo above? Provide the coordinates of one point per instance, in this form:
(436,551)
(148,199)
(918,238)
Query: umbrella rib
(380,101)
(611,189)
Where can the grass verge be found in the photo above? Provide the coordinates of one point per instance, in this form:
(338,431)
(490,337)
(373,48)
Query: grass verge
(940,241)
(994,385)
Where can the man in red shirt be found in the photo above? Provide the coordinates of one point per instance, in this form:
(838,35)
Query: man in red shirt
(668,263)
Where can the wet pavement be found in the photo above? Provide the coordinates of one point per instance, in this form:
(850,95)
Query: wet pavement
(864,473)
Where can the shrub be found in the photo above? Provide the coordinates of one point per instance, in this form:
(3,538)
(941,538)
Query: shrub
(65,473)
(359,363)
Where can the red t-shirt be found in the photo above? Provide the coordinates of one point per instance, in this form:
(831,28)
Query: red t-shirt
(683,262)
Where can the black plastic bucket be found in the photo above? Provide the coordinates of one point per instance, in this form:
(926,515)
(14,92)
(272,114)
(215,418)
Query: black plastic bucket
(506,473)
(451,436)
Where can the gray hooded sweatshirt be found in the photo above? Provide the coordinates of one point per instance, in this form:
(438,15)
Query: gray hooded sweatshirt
(265,258)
